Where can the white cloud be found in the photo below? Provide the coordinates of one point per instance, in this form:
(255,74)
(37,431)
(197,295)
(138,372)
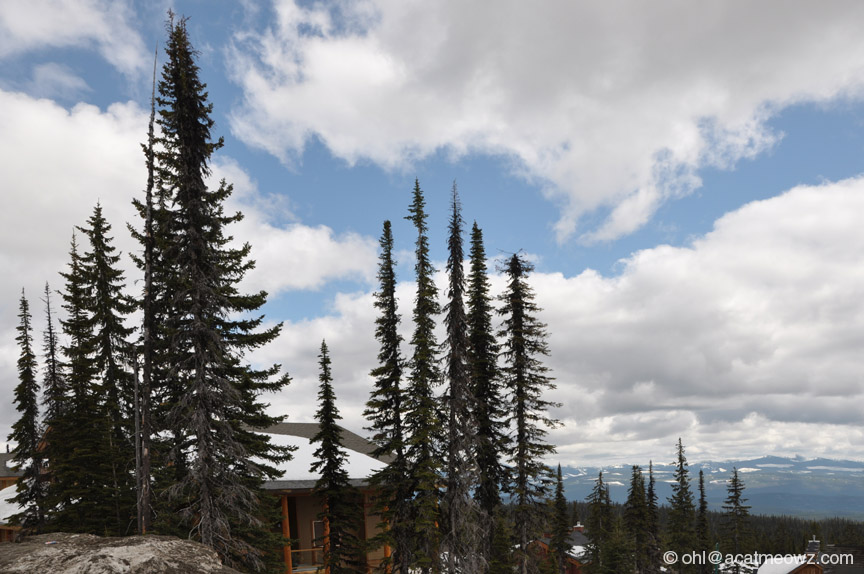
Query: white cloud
(57,163)
(293,256)
(747,342)
(606,105)
(104,24)
(52,80)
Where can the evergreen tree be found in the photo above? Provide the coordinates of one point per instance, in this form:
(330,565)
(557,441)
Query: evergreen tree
(53,384)
(681,512)
(79,493)
(617,553)
(653,563)
(384,411)
(501,553)
(462,537)
(215,400)
(598,525)
(421,418)
(26,431)
(559,543)
(55,398)
(490,409)
(341,501)
(149,325)
(524,375)
(636,519)
(735,524)
(107,307)
(703,538)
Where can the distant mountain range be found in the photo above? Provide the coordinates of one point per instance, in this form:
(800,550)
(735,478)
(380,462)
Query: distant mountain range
(813,488)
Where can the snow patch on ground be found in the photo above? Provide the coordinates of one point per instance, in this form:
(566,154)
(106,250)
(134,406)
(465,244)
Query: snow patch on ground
(837,468)
(747,469)
(7,507)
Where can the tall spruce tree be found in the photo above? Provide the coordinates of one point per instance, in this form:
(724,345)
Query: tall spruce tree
(149,325)
(598,525)
(462,539)
(26,431)
(215,397)
(384,411)
(107,308)
(490,409)
(342,503)
(55,397)
(523,339)
(736,516)
(559,543)
(636,520)
(53,384)
(422,420)
(703,538)
(653,564)
(618,555)
(501,552)
(79,494)
(682,536)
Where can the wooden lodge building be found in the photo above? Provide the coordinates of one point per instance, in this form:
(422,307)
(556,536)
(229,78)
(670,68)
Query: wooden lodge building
(8,477)
(294,490)
(300,506)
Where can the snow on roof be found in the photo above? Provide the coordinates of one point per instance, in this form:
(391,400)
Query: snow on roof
(358,465)
(784,565)
(7,507)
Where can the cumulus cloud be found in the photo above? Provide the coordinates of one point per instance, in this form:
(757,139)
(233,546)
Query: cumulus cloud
(57,163)
(106,25)
(52,80)
(292,256)
(610,106)
(746,342)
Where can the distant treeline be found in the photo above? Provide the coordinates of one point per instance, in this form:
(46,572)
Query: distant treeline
(770,533)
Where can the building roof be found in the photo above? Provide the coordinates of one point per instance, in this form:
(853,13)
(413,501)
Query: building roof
(578,542)
(785,565)
(297,474)
(857,565)
(6,467)
(350,440)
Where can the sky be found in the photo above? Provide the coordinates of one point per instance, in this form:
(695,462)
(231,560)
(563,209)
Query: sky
(686,177)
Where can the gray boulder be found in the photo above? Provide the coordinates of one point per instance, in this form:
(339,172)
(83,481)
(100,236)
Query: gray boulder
(60,553)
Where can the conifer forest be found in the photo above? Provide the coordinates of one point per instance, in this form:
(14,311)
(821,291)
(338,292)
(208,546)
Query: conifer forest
(140,411)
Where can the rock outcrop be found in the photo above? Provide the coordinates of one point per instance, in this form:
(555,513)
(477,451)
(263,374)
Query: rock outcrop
(87,554)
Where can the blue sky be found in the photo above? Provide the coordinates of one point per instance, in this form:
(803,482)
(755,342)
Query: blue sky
(688,199)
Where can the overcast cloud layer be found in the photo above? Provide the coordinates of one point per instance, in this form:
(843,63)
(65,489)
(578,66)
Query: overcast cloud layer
(745,342)
(93,155)
(610,105)
(748,341)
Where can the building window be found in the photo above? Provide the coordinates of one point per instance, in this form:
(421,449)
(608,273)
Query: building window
(318,533)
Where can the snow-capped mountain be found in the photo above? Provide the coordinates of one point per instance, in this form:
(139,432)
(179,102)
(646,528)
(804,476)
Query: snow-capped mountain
(773,485)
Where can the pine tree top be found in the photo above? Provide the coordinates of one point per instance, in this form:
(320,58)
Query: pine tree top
(330,455)
(26,431)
